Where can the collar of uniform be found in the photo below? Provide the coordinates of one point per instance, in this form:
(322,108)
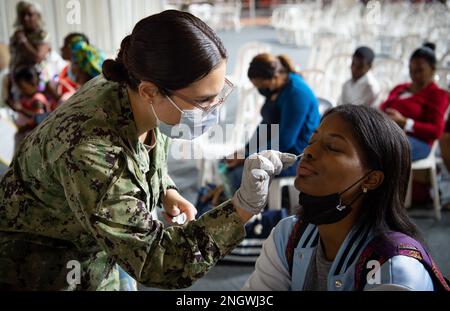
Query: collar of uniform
(125,120)
(157,155)
(128,131)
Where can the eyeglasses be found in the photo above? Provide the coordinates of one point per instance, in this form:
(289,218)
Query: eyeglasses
(209,105)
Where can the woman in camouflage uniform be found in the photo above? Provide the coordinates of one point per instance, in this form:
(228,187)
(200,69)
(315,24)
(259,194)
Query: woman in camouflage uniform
(76,202)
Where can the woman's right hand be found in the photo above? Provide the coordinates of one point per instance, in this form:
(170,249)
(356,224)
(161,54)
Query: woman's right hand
(259,169)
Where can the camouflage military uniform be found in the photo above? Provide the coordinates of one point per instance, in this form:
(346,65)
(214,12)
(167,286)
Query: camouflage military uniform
(82,187)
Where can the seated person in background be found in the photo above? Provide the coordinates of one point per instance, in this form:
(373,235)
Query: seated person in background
(33,106)
(66,85)
(362,88)
(87,61)
(419,107)
(290,103)
(352,179)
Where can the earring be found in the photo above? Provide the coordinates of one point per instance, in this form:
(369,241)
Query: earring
(365,190)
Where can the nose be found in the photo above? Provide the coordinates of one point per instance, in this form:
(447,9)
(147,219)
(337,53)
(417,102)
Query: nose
(307,156)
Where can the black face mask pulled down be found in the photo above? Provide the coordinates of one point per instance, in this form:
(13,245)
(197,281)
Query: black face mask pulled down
(323,210)
(266,92)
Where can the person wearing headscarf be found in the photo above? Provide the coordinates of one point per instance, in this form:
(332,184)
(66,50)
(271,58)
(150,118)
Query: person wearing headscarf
(87,60)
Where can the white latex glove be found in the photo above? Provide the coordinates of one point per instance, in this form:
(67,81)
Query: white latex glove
(259,169)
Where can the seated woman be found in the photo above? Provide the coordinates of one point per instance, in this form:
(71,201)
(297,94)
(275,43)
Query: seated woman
(66,85)
(352,179)
(419,107)
(87,60)
(290,103)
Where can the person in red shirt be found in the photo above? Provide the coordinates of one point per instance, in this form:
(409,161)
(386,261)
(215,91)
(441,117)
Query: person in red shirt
(66,84)
(67,78)
(419,107)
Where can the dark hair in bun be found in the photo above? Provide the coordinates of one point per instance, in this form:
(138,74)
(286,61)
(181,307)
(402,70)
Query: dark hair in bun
(171,49)
(115,70)
(426,52)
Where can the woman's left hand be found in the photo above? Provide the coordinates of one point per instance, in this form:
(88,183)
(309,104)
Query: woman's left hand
(396,116)
(174,205)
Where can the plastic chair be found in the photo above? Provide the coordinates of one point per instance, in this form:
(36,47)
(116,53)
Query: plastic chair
(444,62)
(388,67)
(337,72)
(275,193)
(442,78)
(324,105)
(429,164)
(227,15)
(321,51)
(204,11)
(314,78)
(245,55)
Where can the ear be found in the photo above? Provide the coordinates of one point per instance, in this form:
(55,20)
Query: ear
(373,180)
(147,91)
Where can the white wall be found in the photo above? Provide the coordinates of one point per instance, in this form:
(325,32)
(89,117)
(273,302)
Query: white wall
(105,22)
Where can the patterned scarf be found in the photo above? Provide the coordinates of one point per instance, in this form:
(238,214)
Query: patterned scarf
(88,58)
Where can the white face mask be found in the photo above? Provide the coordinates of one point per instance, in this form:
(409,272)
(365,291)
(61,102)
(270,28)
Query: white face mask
(193,123)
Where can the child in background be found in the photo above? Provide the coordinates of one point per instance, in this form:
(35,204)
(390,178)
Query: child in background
(33,107)
(362,88)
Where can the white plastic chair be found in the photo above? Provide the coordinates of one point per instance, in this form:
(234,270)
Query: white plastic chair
(337,72)
(429,164)
(322,50)
(442,78)
(324,105)
(245,55)
(391,68)
(388,72)
(226,15)
(315,79)
(204,11)
(275,193)
(445,60)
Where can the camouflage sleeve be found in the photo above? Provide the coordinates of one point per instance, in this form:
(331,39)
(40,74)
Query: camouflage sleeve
(109,204)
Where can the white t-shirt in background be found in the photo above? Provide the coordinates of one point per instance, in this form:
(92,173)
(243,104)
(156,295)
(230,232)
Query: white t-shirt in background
(362,92)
